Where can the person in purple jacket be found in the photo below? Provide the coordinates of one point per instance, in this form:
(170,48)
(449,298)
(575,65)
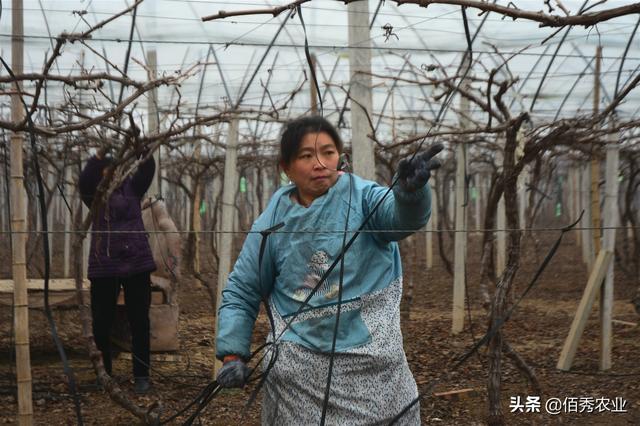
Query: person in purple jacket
(120,258)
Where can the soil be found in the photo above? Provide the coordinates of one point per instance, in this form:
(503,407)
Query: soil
(537,331)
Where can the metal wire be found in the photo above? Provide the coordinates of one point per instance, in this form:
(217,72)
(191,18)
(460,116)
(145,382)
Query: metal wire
(334,231)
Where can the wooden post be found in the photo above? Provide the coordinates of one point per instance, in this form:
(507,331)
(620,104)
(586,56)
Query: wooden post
(610,222)
(482,196)
(84,209)
(521,185)
(67,222)
(595,202)
(229,189)
(186,217)
(522,197)
(451,206)
(460,241)
(432,224)
(152,119)
(477,179)
(501,222)
(409,278)
(595,161)
(501,240)
(575,191)
(586,223)
(217,194)
(266,187)
(196,221)
(162,175)
(60,206)
(86,242)
(600,267)
(51,218)
(360,89)
(18,228)
(236,216)
(252,191)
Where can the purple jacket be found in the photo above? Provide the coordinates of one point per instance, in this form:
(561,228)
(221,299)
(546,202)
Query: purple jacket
(118,254)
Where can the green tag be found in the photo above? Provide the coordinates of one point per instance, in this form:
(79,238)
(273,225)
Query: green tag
(558,209)
(203,207)
(243,185)
(474,193)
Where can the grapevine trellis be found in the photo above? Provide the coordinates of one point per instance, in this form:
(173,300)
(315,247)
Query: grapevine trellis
(531,126)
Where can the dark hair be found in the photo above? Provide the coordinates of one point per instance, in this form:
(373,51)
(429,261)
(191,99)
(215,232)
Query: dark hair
(297,129)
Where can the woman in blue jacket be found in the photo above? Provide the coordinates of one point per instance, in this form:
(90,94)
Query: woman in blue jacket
(370,381)
(120,255)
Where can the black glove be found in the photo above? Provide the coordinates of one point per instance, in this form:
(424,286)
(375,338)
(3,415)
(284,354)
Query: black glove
(414,174)
(233,374)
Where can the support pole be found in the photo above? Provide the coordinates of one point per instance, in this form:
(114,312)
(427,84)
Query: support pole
(451,206)
(84,209)
(522,198)
(595,202)
(501,240)
(217,206)
(360,89)
(501,222)
(18,228)
(610,222)
(586,223)
(575,195)
(432,224)
(600,267)
(595,162)
(477,179)
(266,187)
(186,217)
(51,217)
(85,241)
(229,189)
(196,221)
(67,222)
(521,185)
(482,195)
(460,240)
(252,192)
(152,120)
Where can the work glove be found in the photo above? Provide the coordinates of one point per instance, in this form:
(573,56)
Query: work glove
(233,374)
(414,173)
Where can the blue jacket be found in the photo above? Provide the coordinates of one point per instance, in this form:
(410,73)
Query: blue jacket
(300,252)
(118,254)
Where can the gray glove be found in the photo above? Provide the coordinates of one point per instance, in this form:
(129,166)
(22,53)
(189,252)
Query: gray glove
(233,374)
(414,173)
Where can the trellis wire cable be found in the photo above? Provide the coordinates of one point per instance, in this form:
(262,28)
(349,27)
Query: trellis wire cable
(334,231)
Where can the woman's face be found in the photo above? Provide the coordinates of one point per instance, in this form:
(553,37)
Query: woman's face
(313,167)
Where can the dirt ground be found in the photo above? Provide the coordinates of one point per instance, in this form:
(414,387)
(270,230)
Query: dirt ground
(536,331)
